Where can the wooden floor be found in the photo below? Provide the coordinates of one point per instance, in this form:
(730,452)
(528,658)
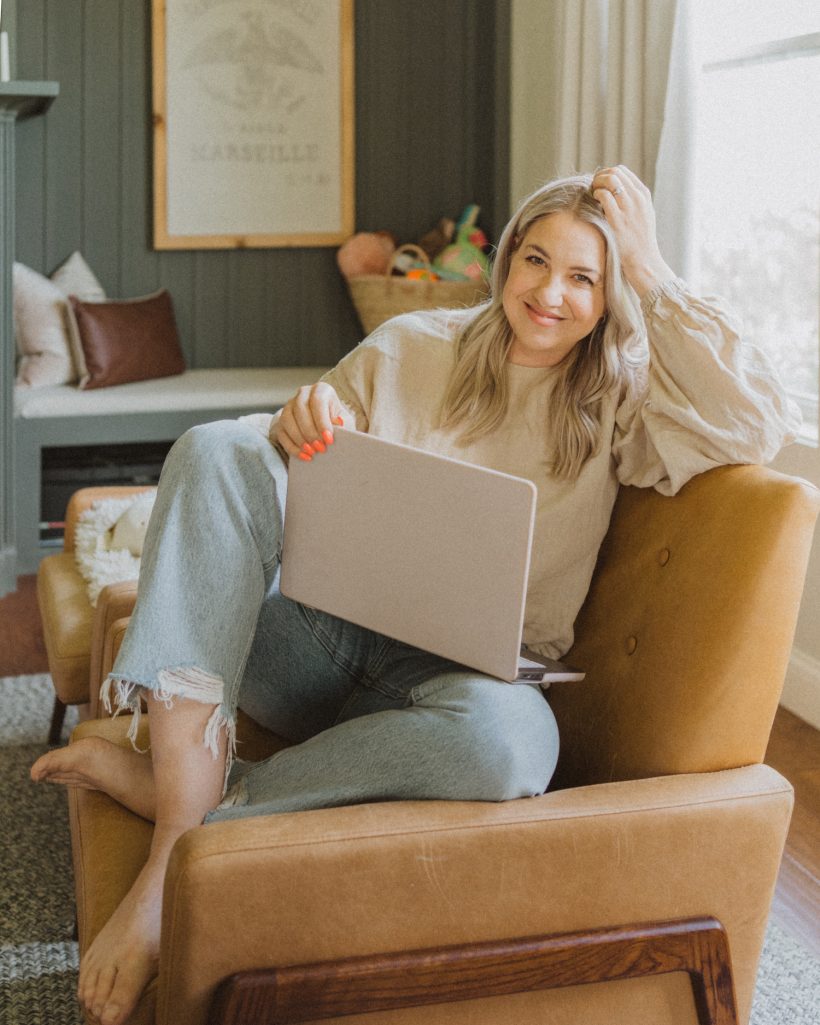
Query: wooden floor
(794,750)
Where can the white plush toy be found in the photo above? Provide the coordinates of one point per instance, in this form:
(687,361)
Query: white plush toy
(129,530)
(108,540)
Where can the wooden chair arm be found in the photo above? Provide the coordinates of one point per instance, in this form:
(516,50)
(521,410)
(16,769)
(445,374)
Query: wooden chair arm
(440,975)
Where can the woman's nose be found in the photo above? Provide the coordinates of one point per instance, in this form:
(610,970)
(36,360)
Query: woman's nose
(550,290)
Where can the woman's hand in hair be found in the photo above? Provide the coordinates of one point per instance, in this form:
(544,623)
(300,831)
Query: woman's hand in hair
(304,427)
(627,205)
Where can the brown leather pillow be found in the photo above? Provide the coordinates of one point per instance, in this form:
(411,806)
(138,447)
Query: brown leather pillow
(127,340)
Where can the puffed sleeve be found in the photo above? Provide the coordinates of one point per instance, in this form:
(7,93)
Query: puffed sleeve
(353,379)
(703,398)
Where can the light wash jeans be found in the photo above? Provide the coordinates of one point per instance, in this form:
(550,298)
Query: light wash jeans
(370,718)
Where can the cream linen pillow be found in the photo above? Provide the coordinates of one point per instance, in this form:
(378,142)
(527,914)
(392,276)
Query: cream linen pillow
(44,325)
(75,277)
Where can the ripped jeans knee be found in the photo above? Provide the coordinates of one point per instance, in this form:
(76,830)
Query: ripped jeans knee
(119,694)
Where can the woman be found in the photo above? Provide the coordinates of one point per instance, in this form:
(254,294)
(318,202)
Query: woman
(557,378)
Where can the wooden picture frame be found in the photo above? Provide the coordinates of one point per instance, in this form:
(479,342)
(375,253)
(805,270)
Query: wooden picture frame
(253,123)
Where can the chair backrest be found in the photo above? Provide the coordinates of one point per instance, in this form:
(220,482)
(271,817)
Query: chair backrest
(686,632)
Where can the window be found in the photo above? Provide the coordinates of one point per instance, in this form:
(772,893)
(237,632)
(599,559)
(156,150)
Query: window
(757,178)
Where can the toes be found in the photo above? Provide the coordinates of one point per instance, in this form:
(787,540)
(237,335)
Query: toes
(39,768)
(112,1015)
(67,780)
(96,995)
(108,995)
(86,987)
(120,1003)
(47,765)
(101,1001)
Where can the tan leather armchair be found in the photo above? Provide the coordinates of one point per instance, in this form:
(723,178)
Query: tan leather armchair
(661,812)
(71,629)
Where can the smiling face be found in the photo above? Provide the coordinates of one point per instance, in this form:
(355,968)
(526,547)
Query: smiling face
(554,293)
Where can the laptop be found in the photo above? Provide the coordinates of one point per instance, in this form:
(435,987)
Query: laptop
(420,547)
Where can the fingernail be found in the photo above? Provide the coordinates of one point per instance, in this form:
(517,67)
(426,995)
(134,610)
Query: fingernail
(339,421)
(318,446)
(328,436)
(305,458)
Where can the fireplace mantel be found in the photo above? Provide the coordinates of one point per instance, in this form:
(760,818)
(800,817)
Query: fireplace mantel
(18,101)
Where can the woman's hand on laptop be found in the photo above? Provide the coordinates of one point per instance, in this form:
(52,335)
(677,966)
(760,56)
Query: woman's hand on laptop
(305,425)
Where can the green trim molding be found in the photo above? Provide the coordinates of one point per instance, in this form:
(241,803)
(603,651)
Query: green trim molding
(18,100)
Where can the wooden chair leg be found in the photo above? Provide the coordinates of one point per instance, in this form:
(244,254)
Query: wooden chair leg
(382,982)
(57,719)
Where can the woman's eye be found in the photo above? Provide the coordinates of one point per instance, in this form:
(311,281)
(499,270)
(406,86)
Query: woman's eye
(536,261)
(583,279)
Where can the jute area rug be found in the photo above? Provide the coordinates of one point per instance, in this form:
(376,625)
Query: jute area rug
(38,958)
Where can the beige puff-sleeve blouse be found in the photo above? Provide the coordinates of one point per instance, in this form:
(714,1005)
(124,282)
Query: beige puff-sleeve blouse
(702,397)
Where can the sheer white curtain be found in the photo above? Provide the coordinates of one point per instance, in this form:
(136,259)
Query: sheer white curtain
(614,63)
(675,166)
(599,82)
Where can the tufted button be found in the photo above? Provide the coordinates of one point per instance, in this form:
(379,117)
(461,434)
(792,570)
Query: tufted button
(663,556)
(631,644)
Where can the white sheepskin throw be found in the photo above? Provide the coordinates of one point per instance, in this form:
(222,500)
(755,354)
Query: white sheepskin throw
(108,540)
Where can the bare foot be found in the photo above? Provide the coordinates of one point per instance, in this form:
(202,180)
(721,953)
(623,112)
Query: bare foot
(78,765)
(184,782)
(94,763)
(123,958)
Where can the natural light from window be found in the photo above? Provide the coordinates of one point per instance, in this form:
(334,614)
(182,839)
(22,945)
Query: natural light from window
(758,177)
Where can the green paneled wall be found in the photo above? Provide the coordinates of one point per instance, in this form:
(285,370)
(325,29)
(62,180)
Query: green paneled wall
(431,135)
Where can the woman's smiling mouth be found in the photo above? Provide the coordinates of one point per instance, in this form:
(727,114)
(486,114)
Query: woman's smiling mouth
(542,317)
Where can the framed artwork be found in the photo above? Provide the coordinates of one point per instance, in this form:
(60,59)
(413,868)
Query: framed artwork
(253,123)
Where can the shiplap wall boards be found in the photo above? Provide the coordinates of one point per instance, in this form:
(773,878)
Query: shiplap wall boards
(431,136)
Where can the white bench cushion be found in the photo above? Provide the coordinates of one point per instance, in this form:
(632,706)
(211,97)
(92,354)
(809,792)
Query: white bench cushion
(252,388)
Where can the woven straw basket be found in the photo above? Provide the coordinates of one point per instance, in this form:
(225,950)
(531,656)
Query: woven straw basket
(378,297)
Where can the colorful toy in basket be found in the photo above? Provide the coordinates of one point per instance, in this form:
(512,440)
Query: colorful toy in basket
(385,280)
(465,257)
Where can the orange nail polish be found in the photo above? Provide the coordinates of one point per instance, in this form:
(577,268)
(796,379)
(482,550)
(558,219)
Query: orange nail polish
(328,436)
(339,421)
(318,446)
(307,449)
(304,458)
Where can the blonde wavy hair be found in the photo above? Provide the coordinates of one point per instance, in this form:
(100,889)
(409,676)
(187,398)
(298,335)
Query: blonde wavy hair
(477,392)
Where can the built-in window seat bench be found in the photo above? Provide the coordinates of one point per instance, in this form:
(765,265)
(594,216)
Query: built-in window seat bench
(143,411)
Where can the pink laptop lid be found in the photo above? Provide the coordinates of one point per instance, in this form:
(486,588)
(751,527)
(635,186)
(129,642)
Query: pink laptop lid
(423,548)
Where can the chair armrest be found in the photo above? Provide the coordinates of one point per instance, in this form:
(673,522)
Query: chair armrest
(114,604)
(82,500)
(111,647)
(334,883)
(113,643)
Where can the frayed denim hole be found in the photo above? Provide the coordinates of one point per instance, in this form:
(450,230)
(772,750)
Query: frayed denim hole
(195,684)
(127,698)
